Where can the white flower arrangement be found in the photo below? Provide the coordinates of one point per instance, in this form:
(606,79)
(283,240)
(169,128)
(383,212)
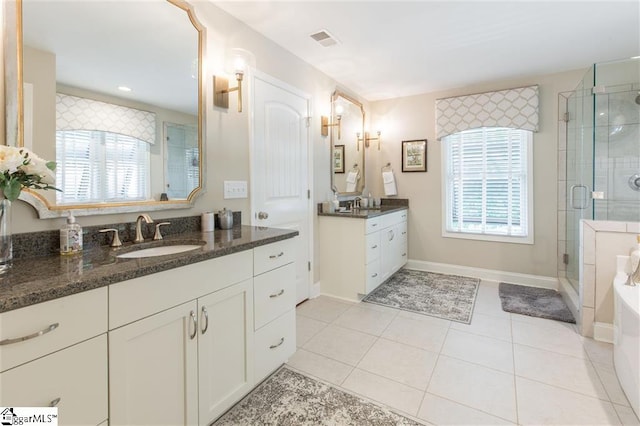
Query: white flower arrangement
(21,168)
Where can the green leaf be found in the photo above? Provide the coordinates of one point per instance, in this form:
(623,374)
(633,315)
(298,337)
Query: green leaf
(51,165)
(12,189)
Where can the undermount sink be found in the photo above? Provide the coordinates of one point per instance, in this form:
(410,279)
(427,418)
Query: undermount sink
(159,251)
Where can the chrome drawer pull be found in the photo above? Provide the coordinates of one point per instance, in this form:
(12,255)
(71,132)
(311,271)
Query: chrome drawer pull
(206,319)
(375,247)
(374,275)
(279,343)
(55,402)
(404,254)
(195,326)
(280,293)
(404,233)
(374,224)
(273,256)
(30,336)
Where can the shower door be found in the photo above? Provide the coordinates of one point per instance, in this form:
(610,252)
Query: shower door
(580,134)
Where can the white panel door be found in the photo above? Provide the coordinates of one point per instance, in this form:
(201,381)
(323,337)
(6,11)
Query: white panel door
(280,168)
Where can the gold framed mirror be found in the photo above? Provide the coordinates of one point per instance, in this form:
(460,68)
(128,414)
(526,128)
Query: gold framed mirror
(106,91)
(347,147)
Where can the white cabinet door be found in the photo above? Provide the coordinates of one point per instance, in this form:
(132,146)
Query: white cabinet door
(73,379)
(225,349)
(388,260)
(153,369)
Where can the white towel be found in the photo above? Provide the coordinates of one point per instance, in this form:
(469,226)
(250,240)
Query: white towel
(389,183)
(352,179)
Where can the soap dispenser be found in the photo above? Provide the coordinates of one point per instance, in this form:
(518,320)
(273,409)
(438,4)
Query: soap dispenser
(70,236)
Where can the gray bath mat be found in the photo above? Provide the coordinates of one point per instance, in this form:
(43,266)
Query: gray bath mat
(535,302)
(444,296)
(290,398)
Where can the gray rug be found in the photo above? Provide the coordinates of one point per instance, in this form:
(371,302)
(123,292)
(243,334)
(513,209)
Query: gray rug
(290,398)
(535,302)
(449,297)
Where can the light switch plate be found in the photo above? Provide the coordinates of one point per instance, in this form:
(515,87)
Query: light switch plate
(235,189)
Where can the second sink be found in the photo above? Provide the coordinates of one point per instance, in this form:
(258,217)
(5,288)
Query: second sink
(159,251)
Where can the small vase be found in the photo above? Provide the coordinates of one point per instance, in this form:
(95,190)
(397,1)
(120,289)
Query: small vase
(6,243)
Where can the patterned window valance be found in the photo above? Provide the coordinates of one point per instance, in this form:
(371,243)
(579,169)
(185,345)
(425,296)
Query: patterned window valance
(515,108)
(74,113)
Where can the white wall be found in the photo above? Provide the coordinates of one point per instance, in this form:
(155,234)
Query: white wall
(414,118)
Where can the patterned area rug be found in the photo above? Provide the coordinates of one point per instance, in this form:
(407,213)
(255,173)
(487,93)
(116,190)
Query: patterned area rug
(534,302)
(444,296)
(290,398)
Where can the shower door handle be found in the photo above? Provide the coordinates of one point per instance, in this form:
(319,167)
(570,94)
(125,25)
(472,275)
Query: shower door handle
(584,199)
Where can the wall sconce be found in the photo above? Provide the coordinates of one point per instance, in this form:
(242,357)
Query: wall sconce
(237,60)
(367,140)
(324,122)
(221,90)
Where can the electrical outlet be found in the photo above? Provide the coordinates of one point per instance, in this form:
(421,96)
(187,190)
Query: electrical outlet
(235,189)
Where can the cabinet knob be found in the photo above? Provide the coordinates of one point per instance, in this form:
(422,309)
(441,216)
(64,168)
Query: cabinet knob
(374,275)
(263,215)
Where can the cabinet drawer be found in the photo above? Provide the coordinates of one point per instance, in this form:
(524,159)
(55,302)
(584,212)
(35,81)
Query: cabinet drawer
(62,322)
(274,344)
(373,224)
(373,278)
(402,229)
(394,218)
(373,247)
(271,256)
(76,377)
(274,293)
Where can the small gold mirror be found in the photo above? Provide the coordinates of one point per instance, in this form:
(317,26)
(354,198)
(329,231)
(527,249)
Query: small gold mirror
(347,145)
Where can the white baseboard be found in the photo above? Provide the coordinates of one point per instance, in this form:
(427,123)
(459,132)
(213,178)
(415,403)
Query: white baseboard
(603,332)
(314,291)
(485,274)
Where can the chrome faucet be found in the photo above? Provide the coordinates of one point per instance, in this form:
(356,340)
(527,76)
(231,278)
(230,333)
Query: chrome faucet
(147,219)
(356,202)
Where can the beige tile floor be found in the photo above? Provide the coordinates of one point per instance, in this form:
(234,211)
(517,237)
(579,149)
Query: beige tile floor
(501,369)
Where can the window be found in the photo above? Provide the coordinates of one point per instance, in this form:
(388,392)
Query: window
(97,166)
(488,185)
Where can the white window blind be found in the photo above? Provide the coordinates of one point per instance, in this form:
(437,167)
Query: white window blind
(487,185)
(97,166)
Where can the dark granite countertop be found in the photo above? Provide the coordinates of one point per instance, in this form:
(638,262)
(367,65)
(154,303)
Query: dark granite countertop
(367,213)
(35,280)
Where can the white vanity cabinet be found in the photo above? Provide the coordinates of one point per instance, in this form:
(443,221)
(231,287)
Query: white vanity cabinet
(182,364)
(274,304)
(55,354)
(358,254)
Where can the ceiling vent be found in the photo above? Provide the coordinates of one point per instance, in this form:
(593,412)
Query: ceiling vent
(324,38)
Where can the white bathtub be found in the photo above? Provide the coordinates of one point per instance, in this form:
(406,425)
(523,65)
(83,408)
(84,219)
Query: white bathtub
(626,349)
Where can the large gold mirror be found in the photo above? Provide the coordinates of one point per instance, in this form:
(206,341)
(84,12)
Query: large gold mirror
(111,91)
(347,145)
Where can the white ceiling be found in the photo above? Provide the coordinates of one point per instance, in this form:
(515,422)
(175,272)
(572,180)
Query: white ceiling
(391,49)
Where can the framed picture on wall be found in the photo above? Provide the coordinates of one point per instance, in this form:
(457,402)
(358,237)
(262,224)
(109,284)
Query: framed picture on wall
(414,156)
(338,159)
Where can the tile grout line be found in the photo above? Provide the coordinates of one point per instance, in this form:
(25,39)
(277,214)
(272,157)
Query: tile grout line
(515,382)
(434,368)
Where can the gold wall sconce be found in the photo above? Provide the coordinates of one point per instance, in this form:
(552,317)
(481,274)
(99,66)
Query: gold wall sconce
(324,123)
(221,90)
(367,139)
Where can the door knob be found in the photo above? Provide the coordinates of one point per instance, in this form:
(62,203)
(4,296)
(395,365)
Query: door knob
(263,215)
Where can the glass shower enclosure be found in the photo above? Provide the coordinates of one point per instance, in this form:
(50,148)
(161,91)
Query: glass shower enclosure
(602,152)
